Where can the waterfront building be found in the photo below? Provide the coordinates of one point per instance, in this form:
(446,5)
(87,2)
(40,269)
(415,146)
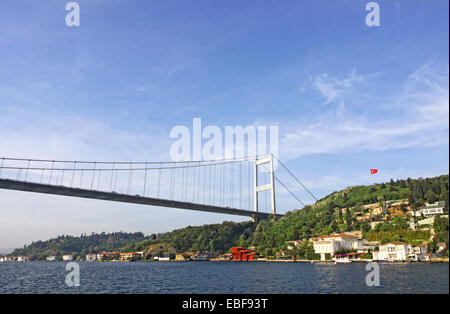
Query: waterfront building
(242,254)
(108,256)
(399,251)
(330,244)
(419,253)
(181,257)
(91,257)
(22,259)
(164,259)
(50,258)
(67,258)
(128,256)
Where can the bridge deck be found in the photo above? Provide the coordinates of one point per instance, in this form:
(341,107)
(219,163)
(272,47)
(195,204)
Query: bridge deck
(116,197)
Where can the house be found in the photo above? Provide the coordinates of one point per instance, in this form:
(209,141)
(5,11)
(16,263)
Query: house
(67,258)
(399,251)
(436,208)
(91,257)
(181,257)
(330,244)
(293,244)
(419,253)
(108,256)
(128,256)
(50,258)
(393,251)
(441,247)
(164,259)
(3,259)
(22,259)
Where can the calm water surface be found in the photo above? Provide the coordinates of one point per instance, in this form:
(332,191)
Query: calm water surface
(222,277)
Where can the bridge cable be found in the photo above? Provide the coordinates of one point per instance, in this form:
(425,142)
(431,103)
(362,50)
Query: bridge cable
(296,179)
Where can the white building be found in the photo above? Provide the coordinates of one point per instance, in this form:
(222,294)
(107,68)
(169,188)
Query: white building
(51,258)
(67,258)
(419,253)
(22,259)
(91,257)
(293,244)
(330,244)
(436,208)
(399,251)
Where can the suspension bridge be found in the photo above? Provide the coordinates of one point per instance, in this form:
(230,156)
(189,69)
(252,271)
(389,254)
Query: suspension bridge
(238,186)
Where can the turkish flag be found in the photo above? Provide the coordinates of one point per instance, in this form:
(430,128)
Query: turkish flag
(372,171)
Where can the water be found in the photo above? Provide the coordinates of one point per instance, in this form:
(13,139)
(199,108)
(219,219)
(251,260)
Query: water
(222,277)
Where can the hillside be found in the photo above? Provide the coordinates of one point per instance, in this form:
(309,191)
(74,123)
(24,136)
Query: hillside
(216,237)
(81,245)
(340,211)
(337,212)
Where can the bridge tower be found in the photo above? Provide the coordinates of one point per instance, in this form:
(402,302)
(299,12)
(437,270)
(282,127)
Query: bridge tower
(260,188)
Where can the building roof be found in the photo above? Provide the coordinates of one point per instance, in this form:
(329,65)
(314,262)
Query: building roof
(438,204)
(395,243)
(342,235)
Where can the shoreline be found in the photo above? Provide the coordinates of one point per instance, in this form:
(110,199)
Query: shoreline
(435,260)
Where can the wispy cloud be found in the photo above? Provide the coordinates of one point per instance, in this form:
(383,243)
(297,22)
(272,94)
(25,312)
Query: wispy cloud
(332,87)
(422,120)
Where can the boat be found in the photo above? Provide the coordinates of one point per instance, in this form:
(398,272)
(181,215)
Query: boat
(201,257)
(342,259)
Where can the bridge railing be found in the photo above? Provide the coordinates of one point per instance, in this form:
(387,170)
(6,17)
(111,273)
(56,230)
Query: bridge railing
(226,183)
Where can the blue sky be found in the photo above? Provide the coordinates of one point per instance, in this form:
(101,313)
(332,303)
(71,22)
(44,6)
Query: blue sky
(346,97)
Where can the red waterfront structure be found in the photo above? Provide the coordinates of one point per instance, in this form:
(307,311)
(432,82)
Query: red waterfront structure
(242,254)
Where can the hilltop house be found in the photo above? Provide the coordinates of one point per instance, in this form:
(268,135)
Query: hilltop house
(293,244)
(436,208)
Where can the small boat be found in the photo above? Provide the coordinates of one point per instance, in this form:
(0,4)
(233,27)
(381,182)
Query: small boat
(342,259)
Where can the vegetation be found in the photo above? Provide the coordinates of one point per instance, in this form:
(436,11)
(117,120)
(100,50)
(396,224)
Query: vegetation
(81,245)
(217,237)
(334,213)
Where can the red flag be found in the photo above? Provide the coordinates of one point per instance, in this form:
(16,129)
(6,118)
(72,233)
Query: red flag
(373,171)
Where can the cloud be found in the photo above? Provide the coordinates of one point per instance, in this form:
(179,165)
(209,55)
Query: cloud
(421,119)
(332,87)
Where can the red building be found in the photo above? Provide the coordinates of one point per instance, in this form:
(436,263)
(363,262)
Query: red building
(242,254)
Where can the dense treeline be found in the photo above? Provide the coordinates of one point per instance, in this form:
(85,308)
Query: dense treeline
(82,245)
(217,237)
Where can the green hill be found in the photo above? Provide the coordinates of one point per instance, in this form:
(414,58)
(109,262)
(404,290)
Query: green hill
(334,213)
(215,237)
(337,212)
(81,245)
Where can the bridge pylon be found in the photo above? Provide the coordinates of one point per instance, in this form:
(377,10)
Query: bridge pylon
(260,188)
